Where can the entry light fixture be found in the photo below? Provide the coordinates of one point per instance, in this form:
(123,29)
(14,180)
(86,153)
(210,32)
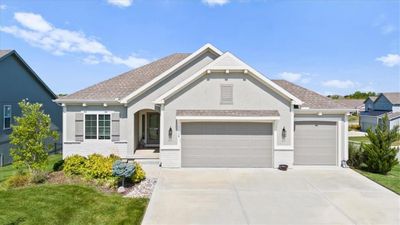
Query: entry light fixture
(283,132)
(170,132)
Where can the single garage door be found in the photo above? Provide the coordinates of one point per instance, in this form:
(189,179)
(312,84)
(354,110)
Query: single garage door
(315,143)
(217,144)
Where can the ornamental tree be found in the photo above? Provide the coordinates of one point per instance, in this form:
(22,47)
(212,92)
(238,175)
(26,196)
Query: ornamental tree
(31,137)
(379,155)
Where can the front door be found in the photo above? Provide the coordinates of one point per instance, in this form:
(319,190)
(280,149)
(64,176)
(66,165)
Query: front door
(153,128)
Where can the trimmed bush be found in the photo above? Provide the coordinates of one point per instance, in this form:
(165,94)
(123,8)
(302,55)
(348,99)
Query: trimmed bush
(75,165)
(99,167)
(59,165)
(38,177)
(139,174)
(354,127)
(18,180)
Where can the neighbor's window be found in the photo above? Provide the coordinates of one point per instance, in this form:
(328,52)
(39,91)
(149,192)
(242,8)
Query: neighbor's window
(226,94)
(6,116)
(104,127)
(90,126)
(98,126)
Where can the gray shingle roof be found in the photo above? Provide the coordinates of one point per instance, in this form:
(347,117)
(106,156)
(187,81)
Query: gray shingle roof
(351,103)
(234,113)
(393,115)
(4,52)
(126,83)
(393,97)
(310,98)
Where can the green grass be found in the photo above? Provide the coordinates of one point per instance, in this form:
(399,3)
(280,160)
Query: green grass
(359,139)
(9,170)
(390,181)
(68,204)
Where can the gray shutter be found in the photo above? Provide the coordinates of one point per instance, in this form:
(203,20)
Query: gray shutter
(79,126)
(115,126)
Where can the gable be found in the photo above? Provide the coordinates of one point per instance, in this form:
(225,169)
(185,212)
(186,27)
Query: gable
(382,103)
(228,63)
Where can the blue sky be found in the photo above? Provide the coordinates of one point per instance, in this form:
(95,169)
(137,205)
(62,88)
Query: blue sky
(332,47)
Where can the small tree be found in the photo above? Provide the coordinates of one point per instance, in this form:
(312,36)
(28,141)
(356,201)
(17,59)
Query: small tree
(31,137)
(379,155)
(123,170)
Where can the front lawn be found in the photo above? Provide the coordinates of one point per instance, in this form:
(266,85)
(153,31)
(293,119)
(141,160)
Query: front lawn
(390,181)
(68,204)
(9,170)
(359,139)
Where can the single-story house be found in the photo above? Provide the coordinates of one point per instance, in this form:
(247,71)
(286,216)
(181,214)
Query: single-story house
(376,107)
(18,82)
(205,109)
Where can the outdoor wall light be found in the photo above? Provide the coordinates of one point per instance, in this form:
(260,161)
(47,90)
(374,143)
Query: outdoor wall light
(283,133)
(170,132)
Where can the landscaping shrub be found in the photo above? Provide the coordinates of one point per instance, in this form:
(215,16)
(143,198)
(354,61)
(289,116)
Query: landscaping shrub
(380,156)
(356,156)
(38,177)
(75,165)
(139,173)
(123,170)
(59,165)
(99,167)
(18,180)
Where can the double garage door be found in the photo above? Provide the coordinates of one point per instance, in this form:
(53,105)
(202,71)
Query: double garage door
(230,144)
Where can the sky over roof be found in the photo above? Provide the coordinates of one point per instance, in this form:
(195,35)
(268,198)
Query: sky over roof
(333,47)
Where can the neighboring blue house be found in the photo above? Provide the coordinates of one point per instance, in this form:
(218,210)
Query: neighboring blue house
(18,82)
(377,107)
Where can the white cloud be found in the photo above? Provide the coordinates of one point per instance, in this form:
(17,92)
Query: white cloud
(339,84)
(388,28)
(390,60)
(292,77)
(296,77)
(33,21)
(215,2)
(42,34)
(120,3)
(3,7)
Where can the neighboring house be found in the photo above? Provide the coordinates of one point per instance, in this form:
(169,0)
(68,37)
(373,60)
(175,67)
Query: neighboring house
(205,109)
(377,107)
(356,104)
(18,82)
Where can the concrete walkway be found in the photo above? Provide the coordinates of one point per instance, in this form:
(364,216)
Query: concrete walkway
(268,196)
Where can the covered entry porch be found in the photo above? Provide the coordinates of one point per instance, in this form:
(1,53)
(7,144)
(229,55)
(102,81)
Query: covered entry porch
(147,134)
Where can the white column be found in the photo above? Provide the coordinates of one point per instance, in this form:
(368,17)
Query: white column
(346,138)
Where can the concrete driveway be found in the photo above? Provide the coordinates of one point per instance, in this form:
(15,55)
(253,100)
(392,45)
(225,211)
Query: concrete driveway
(268,196)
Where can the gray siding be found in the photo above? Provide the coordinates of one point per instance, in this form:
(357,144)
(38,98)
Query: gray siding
(18,83)
(248,94)
(382,104)
(369,105)
(368,122)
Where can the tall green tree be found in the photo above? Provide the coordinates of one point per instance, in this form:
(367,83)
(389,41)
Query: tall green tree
(379,155)
(31,137)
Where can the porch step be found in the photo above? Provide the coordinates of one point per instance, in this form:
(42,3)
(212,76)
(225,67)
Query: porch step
(148,161)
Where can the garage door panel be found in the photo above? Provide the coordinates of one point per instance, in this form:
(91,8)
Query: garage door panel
(315,143)
(226,145)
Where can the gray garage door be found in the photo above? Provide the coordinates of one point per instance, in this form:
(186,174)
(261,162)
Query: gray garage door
(315,143)
(215,144)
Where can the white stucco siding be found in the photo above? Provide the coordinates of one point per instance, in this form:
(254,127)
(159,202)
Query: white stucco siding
(248,94)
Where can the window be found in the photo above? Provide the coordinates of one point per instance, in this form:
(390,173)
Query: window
(6,117)
(104,127)
(226,94)
(98,126)
(90,126)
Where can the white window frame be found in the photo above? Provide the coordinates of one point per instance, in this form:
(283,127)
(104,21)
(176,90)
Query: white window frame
(4,117)
(97,127)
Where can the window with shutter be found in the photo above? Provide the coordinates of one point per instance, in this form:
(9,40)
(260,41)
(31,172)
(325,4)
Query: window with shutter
(226,94)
